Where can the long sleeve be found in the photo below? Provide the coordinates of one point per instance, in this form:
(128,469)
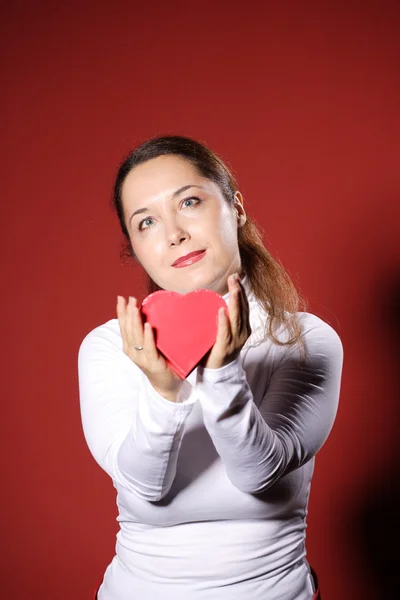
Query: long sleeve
(260,444)
(132,432)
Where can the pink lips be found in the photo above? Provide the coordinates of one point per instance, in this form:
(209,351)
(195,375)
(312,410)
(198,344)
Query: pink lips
(189,259)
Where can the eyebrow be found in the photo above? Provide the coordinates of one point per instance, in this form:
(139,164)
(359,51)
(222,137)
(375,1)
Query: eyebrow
(140,211)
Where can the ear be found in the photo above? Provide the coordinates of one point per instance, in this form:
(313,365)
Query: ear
(241,213)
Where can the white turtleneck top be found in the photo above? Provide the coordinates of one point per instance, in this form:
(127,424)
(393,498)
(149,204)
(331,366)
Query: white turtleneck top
(212,490)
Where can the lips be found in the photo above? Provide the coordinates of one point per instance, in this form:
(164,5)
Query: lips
(188,259)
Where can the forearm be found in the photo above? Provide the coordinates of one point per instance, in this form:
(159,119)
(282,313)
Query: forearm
(253,454)
(146,460)
(292,419)
(133,433)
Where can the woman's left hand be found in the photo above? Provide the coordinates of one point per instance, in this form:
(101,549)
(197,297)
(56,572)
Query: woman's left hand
(233,331)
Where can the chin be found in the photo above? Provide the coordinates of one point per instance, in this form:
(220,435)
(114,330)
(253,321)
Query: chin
(195,281)
(210,282)
(188,286)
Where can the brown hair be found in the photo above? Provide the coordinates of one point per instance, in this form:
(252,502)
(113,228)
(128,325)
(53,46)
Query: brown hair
(268,279)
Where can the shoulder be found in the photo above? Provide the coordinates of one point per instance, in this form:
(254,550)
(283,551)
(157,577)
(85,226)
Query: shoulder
(313,327)
(313,330)
(101,353)
(321,340)
(104,338)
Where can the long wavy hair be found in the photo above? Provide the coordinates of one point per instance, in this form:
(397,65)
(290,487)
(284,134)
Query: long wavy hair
(268,279)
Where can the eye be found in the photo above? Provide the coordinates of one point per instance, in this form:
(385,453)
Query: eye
(145,224)
(193,200)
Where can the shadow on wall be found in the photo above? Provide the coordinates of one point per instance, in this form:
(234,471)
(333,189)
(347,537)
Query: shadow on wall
(375,526)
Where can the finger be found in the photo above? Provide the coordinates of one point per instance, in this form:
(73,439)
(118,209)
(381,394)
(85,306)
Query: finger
(149,342)
(128,322)
(243,291)
(121,314)
(224,329)
(125,324)
(234,305)
(135,323)
(120,307)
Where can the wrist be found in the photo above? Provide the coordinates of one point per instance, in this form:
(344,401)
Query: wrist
(229,371)
(170,394)
(220,362)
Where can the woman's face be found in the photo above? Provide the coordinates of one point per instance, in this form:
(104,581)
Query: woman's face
(171,211)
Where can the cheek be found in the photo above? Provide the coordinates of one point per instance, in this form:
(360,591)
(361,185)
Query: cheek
(147,251)
(215,223)
(227,229)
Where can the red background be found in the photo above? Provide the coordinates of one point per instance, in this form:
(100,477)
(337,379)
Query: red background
(302,99)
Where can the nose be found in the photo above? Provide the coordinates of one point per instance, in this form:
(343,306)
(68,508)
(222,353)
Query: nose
(176,235)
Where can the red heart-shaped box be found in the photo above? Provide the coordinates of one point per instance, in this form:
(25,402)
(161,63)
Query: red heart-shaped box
(185,325)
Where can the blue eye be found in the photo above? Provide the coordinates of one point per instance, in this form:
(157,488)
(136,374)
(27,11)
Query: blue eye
(193,198)
(142,223)
(187,203)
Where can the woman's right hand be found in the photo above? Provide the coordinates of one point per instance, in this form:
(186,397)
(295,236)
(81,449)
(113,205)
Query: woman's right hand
(163,379)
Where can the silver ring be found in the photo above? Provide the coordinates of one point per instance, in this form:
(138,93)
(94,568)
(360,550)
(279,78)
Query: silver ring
(138,347)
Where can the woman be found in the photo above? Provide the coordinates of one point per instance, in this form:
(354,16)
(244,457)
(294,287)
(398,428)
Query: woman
(213,472)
